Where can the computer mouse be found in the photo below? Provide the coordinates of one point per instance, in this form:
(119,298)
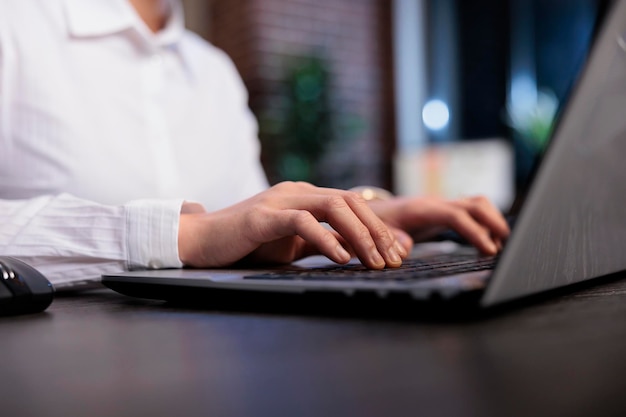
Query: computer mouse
(23,289)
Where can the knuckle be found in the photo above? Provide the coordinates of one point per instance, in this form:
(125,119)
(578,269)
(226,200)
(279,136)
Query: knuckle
(380,232)
(293,186)
(285,185)
(368,245)
(336,202)
(363,235)
(480,201)
(302,217)
(327,239)
(354,197)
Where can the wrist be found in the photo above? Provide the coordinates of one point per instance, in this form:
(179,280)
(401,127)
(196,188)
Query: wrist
(190,228)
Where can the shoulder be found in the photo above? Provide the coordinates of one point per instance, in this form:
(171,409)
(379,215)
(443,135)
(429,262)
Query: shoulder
(205,58)
(20,11)
(205,52)
(27,27)
(31,18)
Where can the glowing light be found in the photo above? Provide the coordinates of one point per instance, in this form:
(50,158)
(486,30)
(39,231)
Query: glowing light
(523,92)
(435,115)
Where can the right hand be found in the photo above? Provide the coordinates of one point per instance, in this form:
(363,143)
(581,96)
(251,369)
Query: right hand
(282,224)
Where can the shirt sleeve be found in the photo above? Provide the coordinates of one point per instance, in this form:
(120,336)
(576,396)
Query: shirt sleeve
(71,240)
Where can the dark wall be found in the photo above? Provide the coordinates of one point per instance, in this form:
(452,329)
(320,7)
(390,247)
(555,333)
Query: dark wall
(484,51)
(562,29)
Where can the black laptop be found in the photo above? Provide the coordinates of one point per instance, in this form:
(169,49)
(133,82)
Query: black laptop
(571,226)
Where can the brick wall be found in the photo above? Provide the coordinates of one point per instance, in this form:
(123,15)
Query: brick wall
(265,36)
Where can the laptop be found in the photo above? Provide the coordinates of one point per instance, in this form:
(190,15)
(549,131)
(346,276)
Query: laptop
(571,227)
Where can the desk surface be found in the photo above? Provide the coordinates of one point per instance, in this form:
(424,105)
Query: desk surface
(103,354)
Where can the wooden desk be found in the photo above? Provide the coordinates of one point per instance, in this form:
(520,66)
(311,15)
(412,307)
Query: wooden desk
(103,354)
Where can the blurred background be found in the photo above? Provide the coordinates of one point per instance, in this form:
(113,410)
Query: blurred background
(444,97)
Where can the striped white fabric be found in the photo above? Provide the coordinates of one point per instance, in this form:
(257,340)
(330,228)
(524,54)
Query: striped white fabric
(72,240)
(105,128)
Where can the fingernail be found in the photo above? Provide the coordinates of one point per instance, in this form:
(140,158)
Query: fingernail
(342,253)
(394,257)
(400,249)
(377,260)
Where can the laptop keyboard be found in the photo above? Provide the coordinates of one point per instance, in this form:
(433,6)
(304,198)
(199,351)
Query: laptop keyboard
(411,270)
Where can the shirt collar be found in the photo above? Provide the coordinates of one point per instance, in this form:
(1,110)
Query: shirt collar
(92,18)
(174,28)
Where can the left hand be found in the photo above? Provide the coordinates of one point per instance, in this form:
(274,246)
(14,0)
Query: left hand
(282,224)
(474,218)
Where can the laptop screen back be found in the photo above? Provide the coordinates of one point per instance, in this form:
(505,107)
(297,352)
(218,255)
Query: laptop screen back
(571,226)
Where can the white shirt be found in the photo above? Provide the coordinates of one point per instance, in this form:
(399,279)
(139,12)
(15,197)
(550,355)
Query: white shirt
(105,128)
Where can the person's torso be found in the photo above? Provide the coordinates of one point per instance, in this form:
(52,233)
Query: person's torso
(114,118)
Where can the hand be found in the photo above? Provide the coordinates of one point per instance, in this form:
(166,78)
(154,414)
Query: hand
(282,224)
(474,218)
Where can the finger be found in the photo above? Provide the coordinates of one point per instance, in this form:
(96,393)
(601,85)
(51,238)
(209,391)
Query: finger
(404,240)
(385,239)
(498,243)
(458,219)
(370,238)
(350,215)
(486,214)
(305,225)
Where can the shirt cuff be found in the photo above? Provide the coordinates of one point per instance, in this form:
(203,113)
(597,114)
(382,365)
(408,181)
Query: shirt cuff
(152,233)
